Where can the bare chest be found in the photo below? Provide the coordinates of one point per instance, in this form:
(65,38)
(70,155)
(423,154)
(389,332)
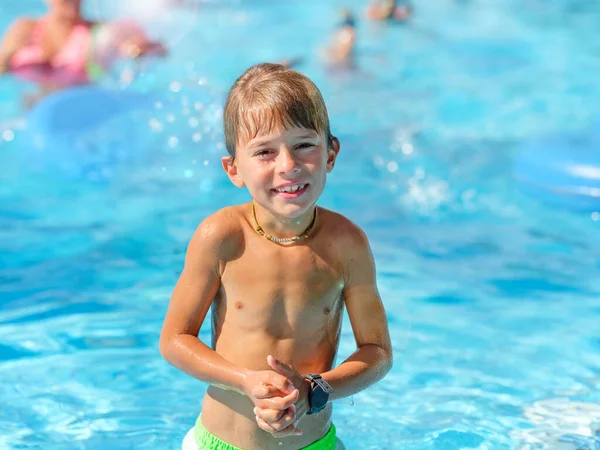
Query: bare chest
(299,278)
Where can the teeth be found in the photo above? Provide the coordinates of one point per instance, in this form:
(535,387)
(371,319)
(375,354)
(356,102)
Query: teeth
(291,188)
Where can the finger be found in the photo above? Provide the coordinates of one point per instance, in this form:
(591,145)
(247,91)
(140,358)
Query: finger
(270,415)
(288,431)
(280,403)
(291,430)
(267,391)
(263,425)
(281,382)
(277,419)
(289,418)
(280,367)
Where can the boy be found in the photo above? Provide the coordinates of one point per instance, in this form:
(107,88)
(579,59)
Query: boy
(278,272)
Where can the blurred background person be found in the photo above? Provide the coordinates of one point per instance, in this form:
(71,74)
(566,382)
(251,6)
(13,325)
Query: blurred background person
(388,10)
(341,50)
(63,48)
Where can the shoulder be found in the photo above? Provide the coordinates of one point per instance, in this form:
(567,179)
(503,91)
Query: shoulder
(25,22)
(347,235)
(220,233)
(21,27)
(351,247)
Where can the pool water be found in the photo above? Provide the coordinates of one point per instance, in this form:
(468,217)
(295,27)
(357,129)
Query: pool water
(492,296)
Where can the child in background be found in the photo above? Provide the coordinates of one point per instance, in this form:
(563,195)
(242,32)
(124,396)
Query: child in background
(389,10)
(341,51)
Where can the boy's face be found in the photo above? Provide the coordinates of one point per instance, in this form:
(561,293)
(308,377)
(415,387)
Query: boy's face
(284,170)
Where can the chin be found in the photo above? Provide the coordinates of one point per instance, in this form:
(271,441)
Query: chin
(293,211)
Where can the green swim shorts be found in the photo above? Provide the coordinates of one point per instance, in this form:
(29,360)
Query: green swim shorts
(208,441)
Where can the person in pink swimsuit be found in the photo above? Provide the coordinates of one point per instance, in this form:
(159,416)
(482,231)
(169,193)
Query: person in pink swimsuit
(54,50)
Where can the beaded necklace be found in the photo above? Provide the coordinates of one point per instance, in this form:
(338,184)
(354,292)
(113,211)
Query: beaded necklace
(303,235)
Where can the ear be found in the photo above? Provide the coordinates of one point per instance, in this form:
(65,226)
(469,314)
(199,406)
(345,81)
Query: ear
(332,153)
(231,169)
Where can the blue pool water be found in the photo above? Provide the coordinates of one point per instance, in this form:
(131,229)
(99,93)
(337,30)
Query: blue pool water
(492,296)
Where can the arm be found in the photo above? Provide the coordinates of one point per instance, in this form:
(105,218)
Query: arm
(136,43)
(211,246)
(373,358)
(194,292)
(15,38)
(346,39)
(140,46)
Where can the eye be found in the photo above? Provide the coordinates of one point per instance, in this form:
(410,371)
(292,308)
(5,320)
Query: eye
(304,145)
(263,153)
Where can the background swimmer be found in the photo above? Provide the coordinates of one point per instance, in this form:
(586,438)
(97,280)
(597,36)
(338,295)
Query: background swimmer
(54,50)
(341,51)
(388,10)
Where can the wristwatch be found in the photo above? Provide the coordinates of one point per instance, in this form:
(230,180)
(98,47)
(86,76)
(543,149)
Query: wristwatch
(319,393)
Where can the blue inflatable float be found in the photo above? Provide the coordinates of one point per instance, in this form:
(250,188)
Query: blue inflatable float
(562,170)
(77,109)
(84,132)
(91,133)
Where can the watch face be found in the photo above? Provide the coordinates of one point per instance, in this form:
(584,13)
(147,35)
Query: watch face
(319,398)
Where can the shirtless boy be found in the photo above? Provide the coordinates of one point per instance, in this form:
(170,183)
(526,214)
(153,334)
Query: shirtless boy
(278,273)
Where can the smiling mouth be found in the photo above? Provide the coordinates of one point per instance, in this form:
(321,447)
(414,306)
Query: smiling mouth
(291,189)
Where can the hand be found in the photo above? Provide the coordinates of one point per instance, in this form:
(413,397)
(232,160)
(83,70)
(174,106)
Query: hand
(269,390)
(285,423)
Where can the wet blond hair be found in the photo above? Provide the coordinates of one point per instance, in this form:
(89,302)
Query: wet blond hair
(269,95)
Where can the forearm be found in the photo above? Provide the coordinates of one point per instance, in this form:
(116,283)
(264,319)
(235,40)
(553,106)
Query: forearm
(366,366)
(191,355)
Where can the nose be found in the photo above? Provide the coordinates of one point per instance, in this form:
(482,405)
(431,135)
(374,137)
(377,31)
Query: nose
(286,163)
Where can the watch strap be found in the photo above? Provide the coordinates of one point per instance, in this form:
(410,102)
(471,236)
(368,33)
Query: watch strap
(317,383)
(318,379)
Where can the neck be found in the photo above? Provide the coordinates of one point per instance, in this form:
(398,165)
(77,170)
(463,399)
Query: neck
(284,227)
(65,21)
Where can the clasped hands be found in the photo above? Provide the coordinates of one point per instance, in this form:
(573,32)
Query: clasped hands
(280,398)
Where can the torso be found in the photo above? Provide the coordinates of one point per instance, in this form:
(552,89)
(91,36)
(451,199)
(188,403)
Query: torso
(290,305)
